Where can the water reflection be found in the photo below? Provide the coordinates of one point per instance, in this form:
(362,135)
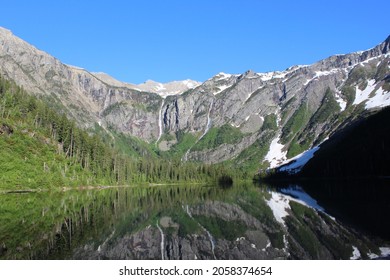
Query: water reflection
(362,204)
(168,222)
(298,193)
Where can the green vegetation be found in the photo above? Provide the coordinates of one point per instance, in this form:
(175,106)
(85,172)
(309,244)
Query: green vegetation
(184,142)
(297,121)
(328,109)
(217,136)
(386,85)
(249,160)
(186,224)
(112,108)
(302,227)
(270,122)
(349,93)
(285,108)
(42,148)
(130,146)
(220,228)
(297,147)
(306,231)
(360,149)
(253,203)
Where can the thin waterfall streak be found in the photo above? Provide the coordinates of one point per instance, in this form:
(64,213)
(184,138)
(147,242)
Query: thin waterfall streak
(162,240)
(160,125)
(208,125)
(211,238)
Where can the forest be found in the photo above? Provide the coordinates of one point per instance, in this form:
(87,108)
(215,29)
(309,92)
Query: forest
(41,147)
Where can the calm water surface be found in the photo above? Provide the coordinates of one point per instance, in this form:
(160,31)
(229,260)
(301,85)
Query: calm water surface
(238,222)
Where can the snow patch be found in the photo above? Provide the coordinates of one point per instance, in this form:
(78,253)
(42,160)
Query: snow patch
(222,76)
(385,252)
(380,99)
(297,194)
(221,89)
(322,73)
(276,155)
(279,204)
(271,75)
(341,102)
(362,95)
(190,84)
(250,94)
(355,254)
(159,87)
(279,74)
(267,246)
(296,163)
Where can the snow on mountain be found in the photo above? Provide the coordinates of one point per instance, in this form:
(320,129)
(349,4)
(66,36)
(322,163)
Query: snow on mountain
(280,202)
(164,90)
(341,102)
(167,89)
(380,99)
(295,164)
(276,155)
(279,205)
(373,96)
(363,95)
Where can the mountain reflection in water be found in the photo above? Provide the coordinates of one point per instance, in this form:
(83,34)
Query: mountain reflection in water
(188,222)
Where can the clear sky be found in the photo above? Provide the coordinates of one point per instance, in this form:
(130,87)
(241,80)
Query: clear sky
(167,40)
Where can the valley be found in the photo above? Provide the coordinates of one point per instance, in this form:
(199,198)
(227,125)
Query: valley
(95,168)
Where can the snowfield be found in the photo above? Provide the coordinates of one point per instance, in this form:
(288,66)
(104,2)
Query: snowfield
(295,164)
(276,156)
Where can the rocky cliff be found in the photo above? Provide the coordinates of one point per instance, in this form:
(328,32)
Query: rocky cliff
(257,119)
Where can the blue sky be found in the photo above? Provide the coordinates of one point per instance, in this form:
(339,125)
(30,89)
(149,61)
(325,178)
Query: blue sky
(174,40)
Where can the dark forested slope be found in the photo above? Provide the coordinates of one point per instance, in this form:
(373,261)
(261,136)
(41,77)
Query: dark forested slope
(360,150)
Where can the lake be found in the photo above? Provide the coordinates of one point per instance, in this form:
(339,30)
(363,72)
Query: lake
(305,220)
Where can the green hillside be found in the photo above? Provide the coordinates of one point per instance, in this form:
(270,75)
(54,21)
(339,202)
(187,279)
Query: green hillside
(41,148)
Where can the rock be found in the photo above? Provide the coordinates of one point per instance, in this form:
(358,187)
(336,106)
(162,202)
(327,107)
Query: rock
(243,101)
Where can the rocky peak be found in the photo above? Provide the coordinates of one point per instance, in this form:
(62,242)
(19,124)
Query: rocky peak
(386,45)
(284,101)
(167,89)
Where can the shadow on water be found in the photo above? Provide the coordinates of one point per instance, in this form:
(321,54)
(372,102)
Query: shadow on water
(93,223)
(363,204)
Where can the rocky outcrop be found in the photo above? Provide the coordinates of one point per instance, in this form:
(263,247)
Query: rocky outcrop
(150,110)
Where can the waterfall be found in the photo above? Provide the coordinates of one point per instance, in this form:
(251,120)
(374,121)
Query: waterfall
(211,238)
(208,126)
(162,240)
(160,125)
(208,120)
(103,245)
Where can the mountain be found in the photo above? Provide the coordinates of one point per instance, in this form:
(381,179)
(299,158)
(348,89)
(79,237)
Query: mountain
(252,120)
(361,149)
(164,90)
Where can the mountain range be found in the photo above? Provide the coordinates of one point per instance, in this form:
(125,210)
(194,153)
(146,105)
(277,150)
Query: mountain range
(250,120)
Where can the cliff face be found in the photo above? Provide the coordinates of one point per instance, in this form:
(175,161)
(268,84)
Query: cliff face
(279,113)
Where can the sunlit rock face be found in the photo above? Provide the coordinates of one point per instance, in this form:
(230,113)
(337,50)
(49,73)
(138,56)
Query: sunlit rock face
(296,109)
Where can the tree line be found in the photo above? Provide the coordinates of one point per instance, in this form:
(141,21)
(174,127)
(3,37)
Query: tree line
(89,152)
